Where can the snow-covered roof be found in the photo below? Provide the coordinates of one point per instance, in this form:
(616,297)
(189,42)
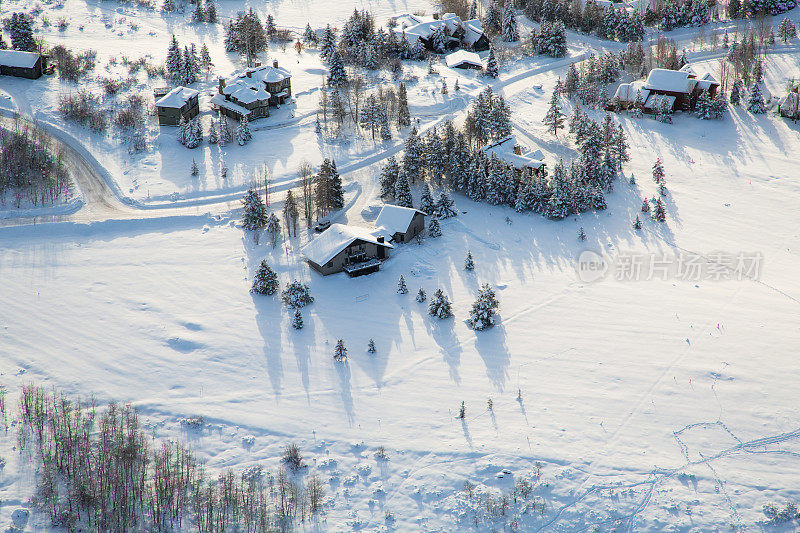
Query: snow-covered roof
(17,58)
(655,101)
(395,219)
(220,100)
(675,81)
(504,149)
(626,92)
(336,238)
(177,97)
(461,57)
(415,26)
(256,77)
(473,30)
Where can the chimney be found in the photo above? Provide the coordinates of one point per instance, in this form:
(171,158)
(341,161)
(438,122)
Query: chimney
(380,239)
(221,84)
(275,63)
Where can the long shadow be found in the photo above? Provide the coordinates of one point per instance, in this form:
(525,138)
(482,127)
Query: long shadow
(491,346)
(343,371)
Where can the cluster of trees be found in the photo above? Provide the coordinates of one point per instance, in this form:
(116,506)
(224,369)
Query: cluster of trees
(340,101)
(787,30)
(20,28)
(31,169)
(482,315)
(589,84)
(246,35)
(550,40)
(684,13)
(588,17)
(203,11)
(758,8)
(184,67)
(99,470)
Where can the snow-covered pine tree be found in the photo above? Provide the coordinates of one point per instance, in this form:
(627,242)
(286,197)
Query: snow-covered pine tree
(265,280)
(554,118)
(403,115)
(388,178)
(426,203)
(291,214)
(444,207)
(205,59)
(174,60)
(658,171)
(736,93)
(434,228)
(510,30)
(254,215)
(637,224)
(473,10)
(213,132)
(243,134)
(440,305)
(660,211)
(703,109)
(183,131)
(297,320)
(469,264)
(421,296)
(482,314)
(402,288)
(456,86)
(211,12)
(269,27)
(20,29)
(273,228)
(645,206)
(297,295)
(336,200)
(199,14)
(492,69)
(383,121)
(786,30)
(194,169)
(371,346)
(581,234)
(340,352)
(194,134)
(189,66)
(755,103)
(225,133)
(337,76)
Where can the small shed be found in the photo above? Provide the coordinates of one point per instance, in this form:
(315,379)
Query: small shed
(22,64)
(464,59)
(350,249)
(401,224)
(177,103)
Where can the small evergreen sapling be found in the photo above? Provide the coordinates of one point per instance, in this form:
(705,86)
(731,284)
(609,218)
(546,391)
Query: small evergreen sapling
(440,306)
(371,346)
(265,280)
(421,296)
(296,295)
(340,352)
(660,211)
(297,320)
(401,286)
(195,170)
(645,206)
(637,224)
(469,264)
(462,412)
(581,234)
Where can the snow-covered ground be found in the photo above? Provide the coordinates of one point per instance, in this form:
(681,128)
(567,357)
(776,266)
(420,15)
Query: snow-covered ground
(649,404)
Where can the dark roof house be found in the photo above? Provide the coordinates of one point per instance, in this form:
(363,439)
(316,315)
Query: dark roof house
(22,64)
(401,224)
(180,102)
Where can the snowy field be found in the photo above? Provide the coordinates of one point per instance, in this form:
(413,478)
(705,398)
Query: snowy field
(666,402)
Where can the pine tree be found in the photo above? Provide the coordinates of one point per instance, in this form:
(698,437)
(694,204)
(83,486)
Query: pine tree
(660,211)
(265,280)
(309,36)
(786,30)
(273,228)
(462,411)
(421,296)
(269,27)
(205,59)
(426,203)
(297,321)
(482,314)
(371,346)
(20,29)
(756,102)
(456,87)
(440,306)
(225,134)
(297,295)
(401,285)
(290,213)
(194,169)
(434,228)
(340,352)
(337,76)
(469,264)
(444,207)
(637,224)
(389,175)
(581,234)
(554,119)
(385,129)
(211,12)
(403,115)
(213,132)
(492,70)
(658,171)
(510,30)
(199,14)
(174,60)
(336,200)
(254,216)
(736,93)
(328,46)
(243,134)
(192,134)
(645,206)
(402,192)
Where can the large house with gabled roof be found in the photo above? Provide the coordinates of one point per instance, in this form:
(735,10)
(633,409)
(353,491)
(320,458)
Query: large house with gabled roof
(252,91)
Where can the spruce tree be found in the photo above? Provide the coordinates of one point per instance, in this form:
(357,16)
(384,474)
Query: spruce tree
(637,224)
(340,352)
(225,133)
(389,175)
(401,285)
(444,207)
(243,134)
(658,171)
(469,264)
(403,115)
(736,93)
(434,228)
(554,119)
(492,69)
(337,76)
(421,296)
(199,14)
(402,192)
(510,30)
(194,169)
(755,103)
(297,295)
(581,234)
(426,203)
(482,314)
(254,215)
(371,346)
(645,206)
(211,12)
(297,320)
(213,132)
(440,306)
(265,280)
(660,211)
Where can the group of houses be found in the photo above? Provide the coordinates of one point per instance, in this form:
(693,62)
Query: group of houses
(358,251)
(21,64)
(247,93)
(465,34)
(675,90)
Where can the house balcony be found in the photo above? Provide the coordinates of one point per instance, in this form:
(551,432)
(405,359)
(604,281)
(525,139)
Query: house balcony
(360,264)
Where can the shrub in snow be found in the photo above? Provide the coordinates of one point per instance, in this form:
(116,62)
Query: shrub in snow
(469,264)
(380,454)
(482,314)
(340,352)
(292,457)
(371,346)
(421,296)
(434,228)
(296,295)
(776,515)
(254,216)
(440,306)
(401,286)
(265,280)
(297,320)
